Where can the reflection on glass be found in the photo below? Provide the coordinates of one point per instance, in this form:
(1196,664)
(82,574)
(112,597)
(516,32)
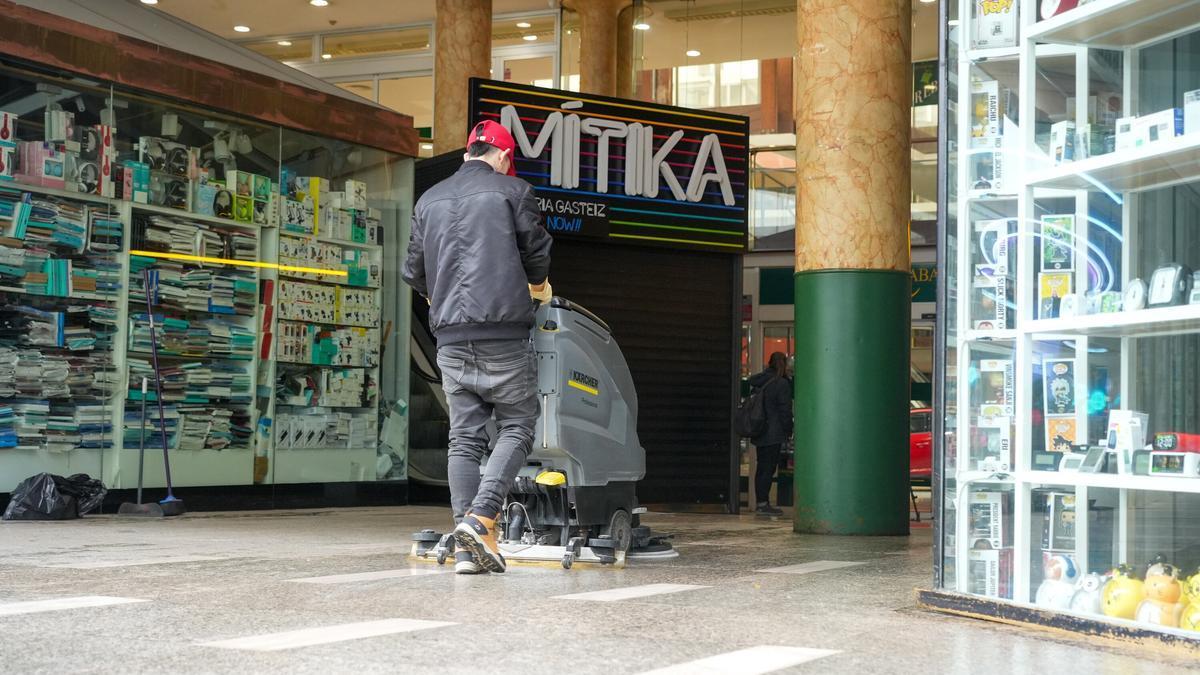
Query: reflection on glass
(411,96)
(773,199)
(529,30)
(377,42)
(363,88)
(284,49)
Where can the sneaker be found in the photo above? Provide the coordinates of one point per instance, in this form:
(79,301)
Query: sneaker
(765,509)
(464,563)
(477,535)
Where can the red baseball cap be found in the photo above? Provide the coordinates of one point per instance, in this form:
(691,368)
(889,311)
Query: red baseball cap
(496,135)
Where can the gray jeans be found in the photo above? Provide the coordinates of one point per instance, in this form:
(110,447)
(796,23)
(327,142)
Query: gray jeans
(481,380)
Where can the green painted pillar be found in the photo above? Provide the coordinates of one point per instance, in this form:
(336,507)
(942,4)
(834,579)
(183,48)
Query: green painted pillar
(852,373)
(853,99)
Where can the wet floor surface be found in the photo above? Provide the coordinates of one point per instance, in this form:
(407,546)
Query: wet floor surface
(332,591)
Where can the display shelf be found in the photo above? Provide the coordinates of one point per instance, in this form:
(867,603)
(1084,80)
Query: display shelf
(318,365)
(1156,322)
(325,279)
(1113,481)
(332,240)
(75,295)
(196,217)
(194,357)
(114,204)
(1162,164)
(1118,24)
(305,406)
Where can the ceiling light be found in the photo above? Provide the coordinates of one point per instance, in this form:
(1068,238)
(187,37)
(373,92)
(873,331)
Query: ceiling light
(524,24)
(427,146)
(149,2)
(952,22)
(327,56)
(641,25)
(242,29)
(319,3)
(529,38)
(928,1)
(693,52)
(284,43)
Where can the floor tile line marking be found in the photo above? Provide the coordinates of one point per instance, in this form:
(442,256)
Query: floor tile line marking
(57,604)
(814,566)
(751,661)
(321,635)
(370,576)
(630,592)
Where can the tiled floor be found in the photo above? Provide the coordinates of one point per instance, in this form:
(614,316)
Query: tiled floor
(332,592)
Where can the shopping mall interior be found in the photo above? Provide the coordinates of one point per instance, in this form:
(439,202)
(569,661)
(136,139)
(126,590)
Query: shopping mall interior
(208,349)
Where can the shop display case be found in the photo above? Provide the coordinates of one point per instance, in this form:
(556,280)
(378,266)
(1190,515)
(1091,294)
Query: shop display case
(271,256)
(1070,474)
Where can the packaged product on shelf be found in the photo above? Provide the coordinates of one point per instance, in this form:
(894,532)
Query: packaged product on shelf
(1058,242)
(8,129)
(992,450)
(993,277)
(995,24)
(997,384)
(1126,137)
(988,514)
(1058,523)
(298,216)
(240,183)
(212,199)
(166,156)
(243,209)
(985,112)
(357,307)
(137,182)
(8,162)
(987,167)
(990,572)
(374,229)
(261,187)
(1191,112)
(1061,434)
(170,191)
(59,124)
(1052,286)
(1059,378)
(355,195)
(1062,142)
(1158,126)
(261,216)
(1094,140)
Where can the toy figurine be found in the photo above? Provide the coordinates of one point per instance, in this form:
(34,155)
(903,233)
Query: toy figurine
(1163,590)
(1122,594)
(1059,586)
(1189,619)
(1088,597)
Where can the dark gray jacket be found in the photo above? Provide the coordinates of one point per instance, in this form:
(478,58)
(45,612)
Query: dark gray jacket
(777,402)
(477,241)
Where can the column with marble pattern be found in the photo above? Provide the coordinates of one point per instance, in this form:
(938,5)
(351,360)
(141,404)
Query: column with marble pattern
(852,305)
(598,44)
(462,50)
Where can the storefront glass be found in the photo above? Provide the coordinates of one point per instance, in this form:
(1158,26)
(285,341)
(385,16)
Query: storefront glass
(1070,472)
(268,253)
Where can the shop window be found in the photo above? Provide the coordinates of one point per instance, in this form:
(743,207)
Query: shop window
(410,95)
(696,86)
(738,83)
(778,339)
(376,43)
(531,71)
(284,49)
(773,199)
(527,30)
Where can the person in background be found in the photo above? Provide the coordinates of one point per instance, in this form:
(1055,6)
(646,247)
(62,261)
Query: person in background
(777,403)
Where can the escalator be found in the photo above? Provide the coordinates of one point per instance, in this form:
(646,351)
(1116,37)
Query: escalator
(429,419)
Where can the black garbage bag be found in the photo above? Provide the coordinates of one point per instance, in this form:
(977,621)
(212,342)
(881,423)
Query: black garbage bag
(49,497)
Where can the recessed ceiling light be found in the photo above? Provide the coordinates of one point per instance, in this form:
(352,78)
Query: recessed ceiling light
(285,43)
(693,52)
(641,25)
(319,3)
(952,22)
(149,2)
(327,56)
(427,146)
(524,24)
(242,29)
(529,38)
(928,1)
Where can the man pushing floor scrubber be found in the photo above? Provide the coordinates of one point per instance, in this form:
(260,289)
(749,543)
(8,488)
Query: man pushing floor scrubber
(478,254)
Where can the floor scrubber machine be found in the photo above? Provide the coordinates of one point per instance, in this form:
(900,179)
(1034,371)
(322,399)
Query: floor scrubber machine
(575,500)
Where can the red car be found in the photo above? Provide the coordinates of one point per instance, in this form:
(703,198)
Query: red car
(920,445)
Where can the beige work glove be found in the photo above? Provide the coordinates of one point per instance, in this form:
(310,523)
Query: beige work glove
(542,293)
